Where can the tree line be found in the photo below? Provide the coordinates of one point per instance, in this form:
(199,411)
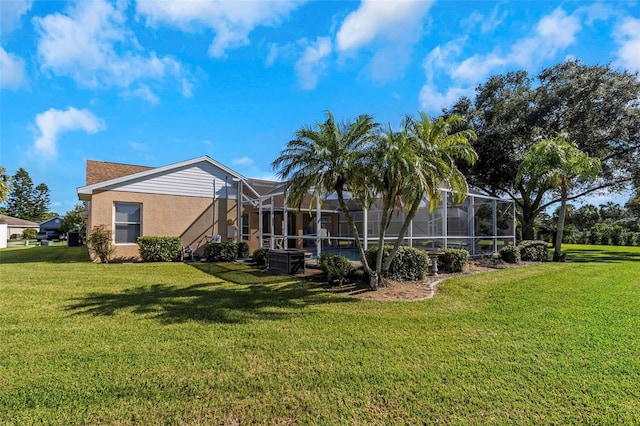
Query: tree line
(22,199)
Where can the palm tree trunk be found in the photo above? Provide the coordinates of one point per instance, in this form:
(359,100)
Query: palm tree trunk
(557,252)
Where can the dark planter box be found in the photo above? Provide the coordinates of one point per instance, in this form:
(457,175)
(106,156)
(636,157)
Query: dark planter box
(288,262)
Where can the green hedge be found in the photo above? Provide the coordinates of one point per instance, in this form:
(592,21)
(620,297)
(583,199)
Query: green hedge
(534,250)
(510,254)
(160,249)
(409,264)
(453,260)
(337,268)
(243,250)
(261,256)
(221,252)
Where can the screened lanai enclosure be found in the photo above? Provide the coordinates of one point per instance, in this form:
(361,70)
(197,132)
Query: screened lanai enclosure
(482,225)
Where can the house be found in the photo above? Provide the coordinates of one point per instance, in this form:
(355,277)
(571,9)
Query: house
(52,224)
(201,200)
(16,227)
(195,200)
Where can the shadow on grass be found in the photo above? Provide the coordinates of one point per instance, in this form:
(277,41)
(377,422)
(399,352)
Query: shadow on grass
(210,302)
(601,255)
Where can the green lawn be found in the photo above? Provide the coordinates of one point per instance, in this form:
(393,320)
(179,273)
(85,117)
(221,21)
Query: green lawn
(124,344)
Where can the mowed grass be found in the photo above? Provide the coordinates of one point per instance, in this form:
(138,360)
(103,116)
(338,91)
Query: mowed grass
(81,343)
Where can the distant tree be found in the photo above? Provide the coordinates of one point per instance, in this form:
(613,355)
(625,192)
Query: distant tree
(586,216)
(559,165)
(4,185)
(611,211)
(19,202)
(25,201)
(74,220)
(633,205)
(597,106)
(40,202)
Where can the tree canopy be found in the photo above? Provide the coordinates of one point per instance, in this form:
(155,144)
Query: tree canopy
(26,202)
(596,106)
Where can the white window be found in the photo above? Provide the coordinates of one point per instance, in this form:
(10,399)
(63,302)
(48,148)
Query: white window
(127,222)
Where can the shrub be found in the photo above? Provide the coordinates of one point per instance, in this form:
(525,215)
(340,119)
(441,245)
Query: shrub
(618,235)
(534,250)
(409,264)
(221,252)
(99,243)
(453,260)
(29,234)
(243,250)
(336,267)
(261,256)
(160,249)
(632,239)
(510,254)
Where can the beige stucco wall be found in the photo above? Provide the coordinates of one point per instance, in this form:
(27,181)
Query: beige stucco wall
(190,218)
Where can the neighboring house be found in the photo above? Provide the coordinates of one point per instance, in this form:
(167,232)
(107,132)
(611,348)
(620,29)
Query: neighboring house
(52,224)
(197,201)
(15,226)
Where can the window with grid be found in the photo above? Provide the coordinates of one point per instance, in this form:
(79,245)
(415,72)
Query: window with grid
(127,222)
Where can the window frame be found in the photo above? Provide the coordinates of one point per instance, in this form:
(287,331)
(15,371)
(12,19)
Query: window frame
(116,223)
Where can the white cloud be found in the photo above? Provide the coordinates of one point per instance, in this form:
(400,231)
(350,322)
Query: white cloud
(11,12)
(54,122)
(242,161)
(143,92)
(390,28)
(92,45)
(391,20)
(431,100)
(12,71)
(232,21)
(552,34)
(137,146)
(313,62)
(629,40)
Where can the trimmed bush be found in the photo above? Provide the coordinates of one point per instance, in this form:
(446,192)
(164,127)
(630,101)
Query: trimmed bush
(159,249)
(221,252)
(534,250)
(261,256)
(336,267)
(453,260)
(243,250)
(409,264)
(510,254)
(29,234)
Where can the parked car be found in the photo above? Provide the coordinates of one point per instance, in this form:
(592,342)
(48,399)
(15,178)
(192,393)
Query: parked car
(47,235)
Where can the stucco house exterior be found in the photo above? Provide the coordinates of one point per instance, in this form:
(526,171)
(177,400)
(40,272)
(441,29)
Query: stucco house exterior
(201,200)
(15,226)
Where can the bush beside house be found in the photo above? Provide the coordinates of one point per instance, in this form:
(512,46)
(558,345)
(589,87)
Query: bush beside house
(160,249)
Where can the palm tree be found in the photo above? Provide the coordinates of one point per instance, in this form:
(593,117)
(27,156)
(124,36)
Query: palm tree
(327,158)
(559,164)
(419,161)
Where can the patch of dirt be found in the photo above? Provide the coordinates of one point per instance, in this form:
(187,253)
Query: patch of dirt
(412,290)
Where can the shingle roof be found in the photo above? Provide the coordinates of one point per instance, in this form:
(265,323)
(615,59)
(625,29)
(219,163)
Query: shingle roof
(14,221)
(100,171)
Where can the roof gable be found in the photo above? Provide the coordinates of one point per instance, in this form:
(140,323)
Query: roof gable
(194,177)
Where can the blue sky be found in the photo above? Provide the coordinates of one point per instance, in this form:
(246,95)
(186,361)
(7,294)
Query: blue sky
(157,82)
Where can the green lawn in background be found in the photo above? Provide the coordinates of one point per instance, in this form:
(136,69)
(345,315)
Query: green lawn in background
(174,343)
